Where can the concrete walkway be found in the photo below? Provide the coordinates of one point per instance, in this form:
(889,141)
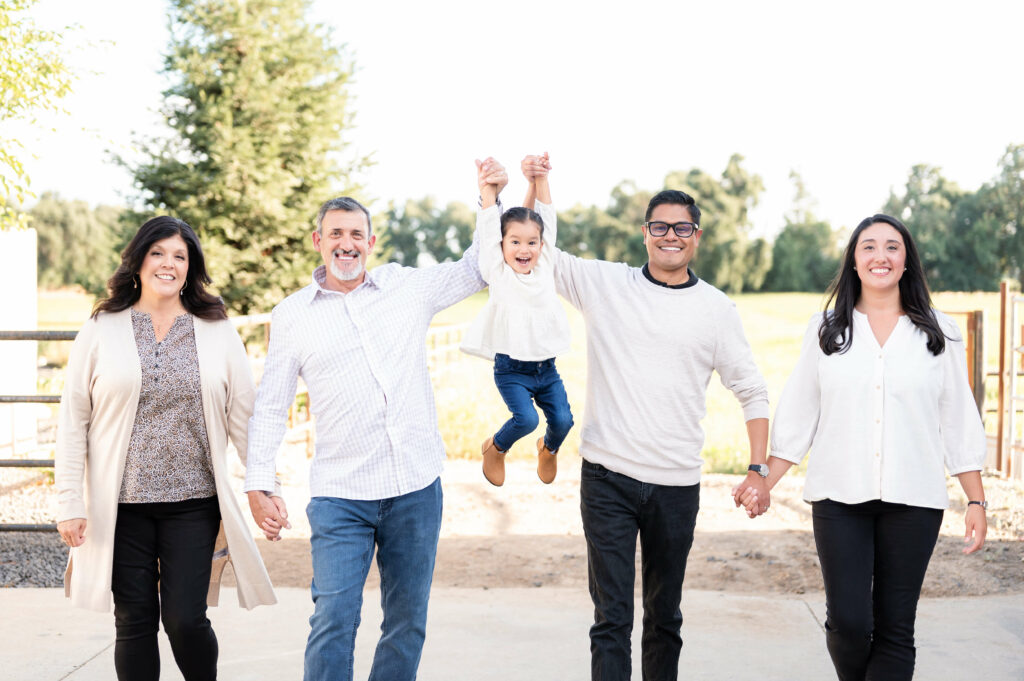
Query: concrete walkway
(529,634)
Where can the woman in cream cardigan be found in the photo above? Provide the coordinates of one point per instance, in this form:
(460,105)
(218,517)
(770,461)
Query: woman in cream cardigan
(157,381)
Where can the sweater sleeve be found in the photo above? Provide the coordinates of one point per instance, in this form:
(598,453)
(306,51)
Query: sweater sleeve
(963,435)
(571,278)
(796,417)
(735,365)
(73,421)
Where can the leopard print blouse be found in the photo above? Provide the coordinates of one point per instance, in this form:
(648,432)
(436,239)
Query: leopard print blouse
(169,451)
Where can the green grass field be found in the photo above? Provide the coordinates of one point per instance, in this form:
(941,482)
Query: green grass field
(470,410)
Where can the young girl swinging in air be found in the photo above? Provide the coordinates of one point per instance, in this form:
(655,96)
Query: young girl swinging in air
(523,326)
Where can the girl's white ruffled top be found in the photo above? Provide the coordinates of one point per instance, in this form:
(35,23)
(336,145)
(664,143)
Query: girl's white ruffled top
(523,317)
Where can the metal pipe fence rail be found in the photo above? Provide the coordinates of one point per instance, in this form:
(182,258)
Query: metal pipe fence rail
(442,349)
(31,399)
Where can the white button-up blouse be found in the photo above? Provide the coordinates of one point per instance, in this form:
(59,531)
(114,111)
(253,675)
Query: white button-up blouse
(882,422)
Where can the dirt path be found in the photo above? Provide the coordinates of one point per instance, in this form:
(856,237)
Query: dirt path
(526,534)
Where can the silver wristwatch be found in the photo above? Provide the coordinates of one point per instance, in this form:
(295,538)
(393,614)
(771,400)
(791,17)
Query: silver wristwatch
(759,468)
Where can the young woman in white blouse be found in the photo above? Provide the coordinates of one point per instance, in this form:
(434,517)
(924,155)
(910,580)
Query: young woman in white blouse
(523,325)
(880,397)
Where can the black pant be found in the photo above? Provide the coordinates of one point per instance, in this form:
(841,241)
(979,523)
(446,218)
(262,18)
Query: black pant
(170,544)
(873,558)
(615,508)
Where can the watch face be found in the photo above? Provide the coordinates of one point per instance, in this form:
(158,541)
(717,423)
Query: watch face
(759,468)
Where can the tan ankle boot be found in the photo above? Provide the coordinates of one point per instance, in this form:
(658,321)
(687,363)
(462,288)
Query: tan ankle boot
(547,463)
(494,463)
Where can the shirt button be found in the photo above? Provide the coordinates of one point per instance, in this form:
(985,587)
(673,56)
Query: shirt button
(877,454)
(878,387)
(878,420)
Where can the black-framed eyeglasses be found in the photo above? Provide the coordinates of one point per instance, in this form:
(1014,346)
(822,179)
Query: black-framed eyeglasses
(682,229)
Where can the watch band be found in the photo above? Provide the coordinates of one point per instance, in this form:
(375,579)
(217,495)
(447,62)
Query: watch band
(983,504)
(759,468)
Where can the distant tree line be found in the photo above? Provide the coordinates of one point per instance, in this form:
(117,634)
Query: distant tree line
(968,240)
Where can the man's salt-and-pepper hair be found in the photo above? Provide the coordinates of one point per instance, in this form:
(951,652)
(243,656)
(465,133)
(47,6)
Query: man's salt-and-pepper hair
(346,204)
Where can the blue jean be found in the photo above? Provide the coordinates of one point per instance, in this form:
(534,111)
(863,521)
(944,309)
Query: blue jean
(520,384)
(615,509)
(404,530)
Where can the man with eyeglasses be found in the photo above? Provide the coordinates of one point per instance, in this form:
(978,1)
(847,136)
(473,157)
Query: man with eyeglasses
(654,335)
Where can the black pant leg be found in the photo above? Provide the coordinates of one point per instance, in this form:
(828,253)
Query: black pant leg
(187,531)
(844,535)
(134,586)
(905,537)
(608,503)
(667,518)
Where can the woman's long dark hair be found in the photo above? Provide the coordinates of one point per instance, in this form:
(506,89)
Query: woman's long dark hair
(834,334)
(124,288)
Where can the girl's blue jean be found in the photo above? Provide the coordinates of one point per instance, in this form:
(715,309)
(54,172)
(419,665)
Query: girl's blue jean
(345,532)
(523,383)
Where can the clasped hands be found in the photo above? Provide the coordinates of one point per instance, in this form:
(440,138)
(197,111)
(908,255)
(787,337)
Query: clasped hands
(753,494)
(270,514)
(492,177)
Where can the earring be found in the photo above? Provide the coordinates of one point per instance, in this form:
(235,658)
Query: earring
(135,282)
(182,291)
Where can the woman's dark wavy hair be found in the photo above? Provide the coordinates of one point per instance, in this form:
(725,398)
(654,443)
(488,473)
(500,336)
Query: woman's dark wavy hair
(521,214)
(124,290)
(834,333)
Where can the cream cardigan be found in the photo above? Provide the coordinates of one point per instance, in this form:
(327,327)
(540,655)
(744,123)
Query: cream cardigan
(97,413)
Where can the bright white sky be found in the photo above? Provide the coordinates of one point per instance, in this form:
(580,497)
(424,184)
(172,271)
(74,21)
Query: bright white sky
(850,95)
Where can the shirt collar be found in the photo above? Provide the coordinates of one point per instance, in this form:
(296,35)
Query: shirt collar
(320,276)
(692,281)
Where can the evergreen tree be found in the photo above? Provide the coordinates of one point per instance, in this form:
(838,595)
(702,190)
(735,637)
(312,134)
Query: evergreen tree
(258,110)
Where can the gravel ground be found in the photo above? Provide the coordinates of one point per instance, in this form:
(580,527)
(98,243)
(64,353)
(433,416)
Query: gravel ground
(528,534)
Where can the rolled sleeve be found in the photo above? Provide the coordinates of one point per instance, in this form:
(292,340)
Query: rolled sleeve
(269,421)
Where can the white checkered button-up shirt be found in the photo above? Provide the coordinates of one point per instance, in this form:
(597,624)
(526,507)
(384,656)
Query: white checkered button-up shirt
(363,358)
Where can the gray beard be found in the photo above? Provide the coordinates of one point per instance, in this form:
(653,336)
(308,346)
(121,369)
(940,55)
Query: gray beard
(342,275)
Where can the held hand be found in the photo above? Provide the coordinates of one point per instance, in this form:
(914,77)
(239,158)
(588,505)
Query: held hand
(490,176)
(535,166)
(749,499)
(752,486)
(976,525)
(269,513)
(72,531)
